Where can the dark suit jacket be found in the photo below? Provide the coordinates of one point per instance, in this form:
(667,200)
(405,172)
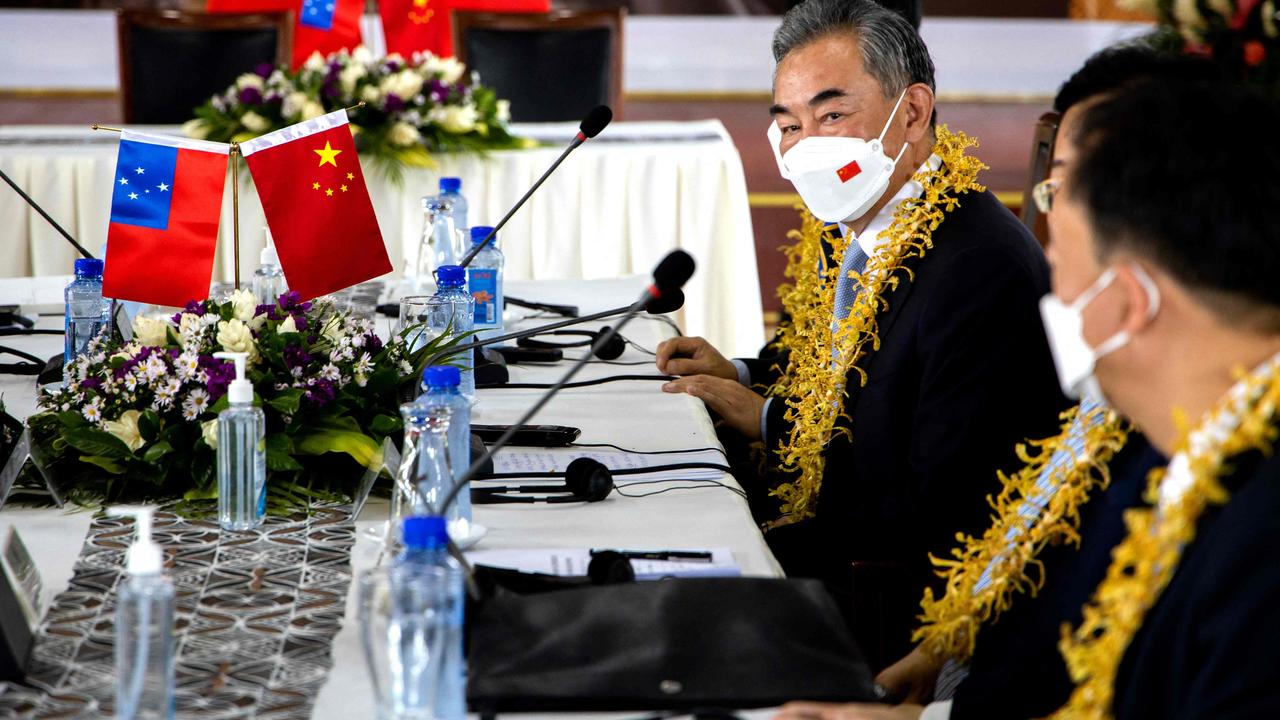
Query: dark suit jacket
(1210,647)
(1017,671)
(962,375)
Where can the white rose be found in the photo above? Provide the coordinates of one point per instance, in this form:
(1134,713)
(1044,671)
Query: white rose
(209,431)
(449,69)
(253,122)
(288,326)
(234,336)
(315,62)
(243,304)
(404,84)
(403,135)
(504,111)
(362,55)
(196,129)
(151,331)
(126,428)
(249,80)
(349,75)
(460,118)
(370,94)
(312,109)
(293,104)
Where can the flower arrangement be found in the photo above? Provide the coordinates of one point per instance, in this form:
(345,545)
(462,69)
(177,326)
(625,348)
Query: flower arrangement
(138,421)
(1242,35)
(412,107)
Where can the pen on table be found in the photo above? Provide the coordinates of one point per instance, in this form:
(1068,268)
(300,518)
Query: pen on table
(693,555)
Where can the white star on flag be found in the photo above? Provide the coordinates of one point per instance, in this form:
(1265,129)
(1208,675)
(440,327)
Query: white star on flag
(163,187)
(133,196)
(124,181)
(139,171)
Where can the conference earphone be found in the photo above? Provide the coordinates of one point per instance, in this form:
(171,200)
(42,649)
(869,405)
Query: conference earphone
(611,350)
(585,480)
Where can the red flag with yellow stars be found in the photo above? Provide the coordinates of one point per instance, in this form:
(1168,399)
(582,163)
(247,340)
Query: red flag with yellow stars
(317,205)
(410,26)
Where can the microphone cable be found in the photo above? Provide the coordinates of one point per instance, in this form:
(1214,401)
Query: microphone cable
(579,384)
(702,484)
(650,452)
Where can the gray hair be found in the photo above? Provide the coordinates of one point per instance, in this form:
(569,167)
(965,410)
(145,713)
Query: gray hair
(892,51)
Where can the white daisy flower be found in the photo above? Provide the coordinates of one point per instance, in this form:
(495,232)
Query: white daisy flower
(331,372)
(364,364)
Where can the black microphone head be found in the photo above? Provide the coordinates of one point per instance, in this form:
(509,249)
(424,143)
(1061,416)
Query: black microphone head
(588,479)
(671,300)
(674,271)
(610,568)
(595,121)
(611,350)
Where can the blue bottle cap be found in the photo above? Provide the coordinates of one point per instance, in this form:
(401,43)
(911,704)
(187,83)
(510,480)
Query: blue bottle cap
(88,267)
(451,276)
(442,376)
(450,184)
(480,232)
(424,532)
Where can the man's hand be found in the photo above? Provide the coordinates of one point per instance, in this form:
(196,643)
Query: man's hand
(852,711)
(693,356)
(739,407)
(912,678)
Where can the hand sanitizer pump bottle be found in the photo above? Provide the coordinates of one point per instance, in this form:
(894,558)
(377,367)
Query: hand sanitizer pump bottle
(242,454)
(144,629)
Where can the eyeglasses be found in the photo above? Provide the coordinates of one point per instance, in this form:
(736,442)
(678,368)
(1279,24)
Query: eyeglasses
(1042,193)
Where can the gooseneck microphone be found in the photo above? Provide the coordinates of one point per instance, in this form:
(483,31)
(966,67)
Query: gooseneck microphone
(46,216)
(670,300)
(591,125)
(670,275)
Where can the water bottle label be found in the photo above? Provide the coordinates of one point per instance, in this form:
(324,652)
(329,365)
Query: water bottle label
(483,284)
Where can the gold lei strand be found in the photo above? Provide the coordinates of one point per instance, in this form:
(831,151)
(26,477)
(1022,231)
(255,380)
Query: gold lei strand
(1144,562)
(813,384)
(1010,547)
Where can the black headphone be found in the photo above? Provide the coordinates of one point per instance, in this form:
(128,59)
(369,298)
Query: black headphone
(32,366)
(585,480)
(611,350)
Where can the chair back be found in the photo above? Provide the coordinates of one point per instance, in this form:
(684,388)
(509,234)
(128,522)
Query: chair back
(552,67)
(1041,158)
(172,61)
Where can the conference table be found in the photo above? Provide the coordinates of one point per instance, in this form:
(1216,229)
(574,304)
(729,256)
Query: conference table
(614,208)
(633,414)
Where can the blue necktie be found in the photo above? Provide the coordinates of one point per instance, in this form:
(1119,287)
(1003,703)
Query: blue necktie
(855,260)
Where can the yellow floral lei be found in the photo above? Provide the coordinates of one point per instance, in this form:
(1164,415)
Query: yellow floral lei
(1144,562)
(813,383)
(1009,547)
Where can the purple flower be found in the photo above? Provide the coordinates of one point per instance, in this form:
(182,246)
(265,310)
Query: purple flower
(91,383)
(295,356)
(439,91)
(373,343)
(268,310)
(289,300)
(321,393)
(195,307)
(250,96)
(394,103)
(264,70)
(220,375)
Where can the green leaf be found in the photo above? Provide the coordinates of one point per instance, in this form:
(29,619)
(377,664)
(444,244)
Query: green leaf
(287,402)
(208,493)
(385,425)
(149,425)
(107,464)
(97,442)
(157,451)
(359,446)
(280,453)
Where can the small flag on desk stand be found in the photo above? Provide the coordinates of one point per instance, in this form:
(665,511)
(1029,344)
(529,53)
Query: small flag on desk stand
(317,205)
(325,26)
(165,204)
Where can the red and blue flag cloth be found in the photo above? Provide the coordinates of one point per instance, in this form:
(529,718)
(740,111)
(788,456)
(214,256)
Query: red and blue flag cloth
(165,203)
(317,205)
(326,26)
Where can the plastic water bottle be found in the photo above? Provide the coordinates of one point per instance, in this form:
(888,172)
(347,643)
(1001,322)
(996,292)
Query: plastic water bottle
(425,474)
(268,279)
(484,280)
(242,454)
(451,191)
(88,313)
(428,674)
(439,243)
(451,283)
(441,392)
(144,629)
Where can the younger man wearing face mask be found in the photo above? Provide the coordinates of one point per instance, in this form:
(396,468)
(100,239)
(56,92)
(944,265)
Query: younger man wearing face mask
(915,359)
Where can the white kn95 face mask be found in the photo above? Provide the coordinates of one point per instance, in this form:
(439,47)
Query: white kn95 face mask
(839,178)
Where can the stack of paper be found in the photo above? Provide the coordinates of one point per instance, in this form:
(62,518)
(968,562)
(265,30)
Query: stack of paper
(528,460)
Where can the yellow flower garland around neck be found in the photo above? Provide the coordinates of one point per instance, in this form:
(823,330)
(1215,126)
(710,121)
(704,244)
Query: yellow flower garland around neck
(1144,562)
(1010,546)
(820,356)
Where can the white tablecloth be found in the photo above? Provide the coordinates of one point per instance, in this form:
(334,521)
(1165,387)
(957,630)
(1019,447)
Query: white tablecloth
(632,414)
(615,207)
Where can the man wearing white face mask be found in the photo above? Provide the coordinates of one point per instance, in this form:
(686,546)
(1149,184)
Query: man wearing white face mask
(894,443)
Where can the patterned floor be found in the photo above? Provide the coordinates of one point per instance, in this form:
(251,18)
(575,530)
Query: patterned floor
(256,616)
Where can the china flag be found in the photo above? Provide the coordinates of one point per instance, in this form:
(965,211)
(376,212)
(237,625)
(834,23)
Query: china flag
(317,205)
(165,203)
(410,26)
(325,26)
